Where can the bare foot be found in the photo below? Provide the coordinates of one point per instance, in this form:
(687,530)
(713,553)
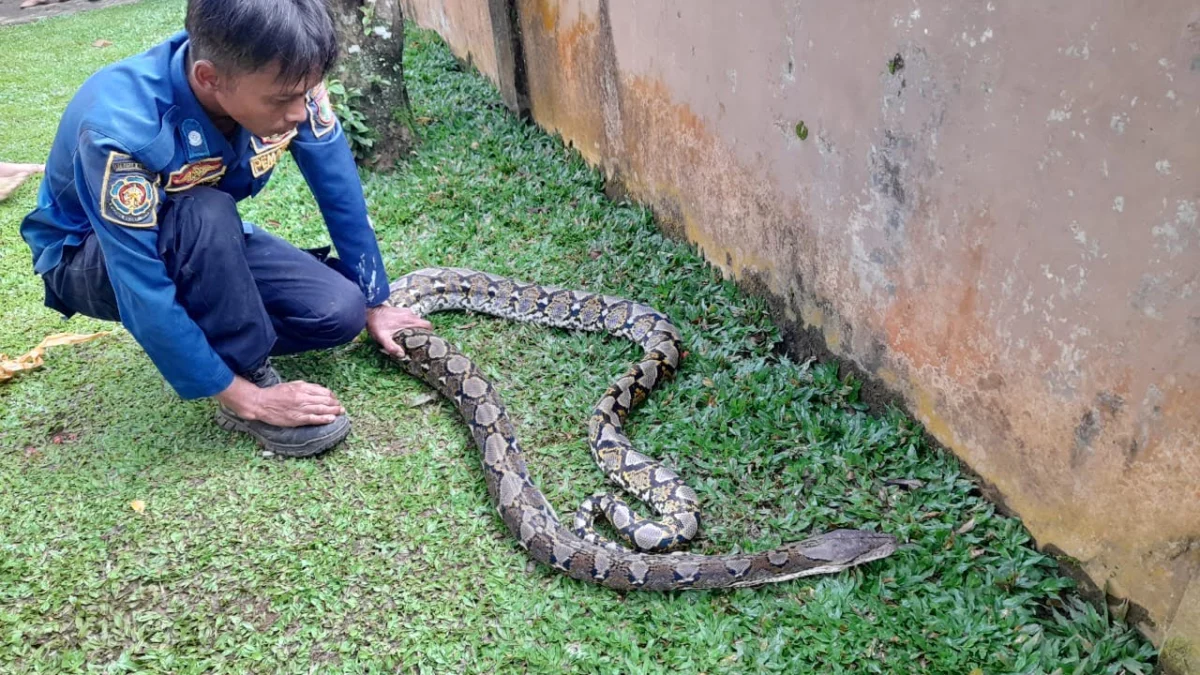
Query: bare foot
(12,175)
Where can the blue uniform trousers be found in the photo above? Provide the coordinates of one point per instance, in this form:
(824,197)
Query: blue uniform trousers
(252,294)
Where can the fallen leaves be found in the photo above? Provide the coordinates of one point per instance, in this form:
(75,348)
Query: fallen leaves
(138,505)
(33,358)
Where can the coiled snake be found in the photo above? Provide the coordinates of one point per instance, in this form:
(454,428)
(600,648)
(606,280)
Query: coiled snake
(580,551)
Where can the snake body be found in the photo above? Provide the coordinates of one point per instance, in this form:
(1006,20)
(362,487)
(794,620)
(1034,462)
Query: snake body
(642,561)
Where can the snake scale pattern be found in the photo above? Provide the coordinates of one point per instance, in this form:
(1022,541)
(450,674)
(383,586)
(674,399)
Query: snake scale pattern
(646,559)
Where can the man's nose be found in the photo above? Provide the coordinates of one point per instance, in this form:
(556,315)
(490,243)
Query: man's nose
(297,112)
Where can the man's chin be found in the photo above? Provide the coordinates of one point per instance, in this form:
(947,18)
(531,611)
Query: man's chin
(276,132)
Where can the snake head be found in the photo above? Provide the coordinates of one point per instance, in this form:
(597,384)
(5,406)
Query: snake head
(845,548)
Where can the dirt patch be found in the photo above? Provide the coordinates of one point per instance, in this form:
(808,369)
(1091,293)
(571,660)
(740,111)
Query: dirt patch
(11,12)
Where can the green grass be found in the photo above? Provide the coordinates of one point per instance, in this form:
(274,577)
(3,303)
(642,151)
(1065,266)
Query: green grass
(385,554)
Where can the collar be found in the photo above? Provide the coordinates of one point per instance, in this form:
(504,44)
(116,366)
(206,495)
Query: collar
(194,122)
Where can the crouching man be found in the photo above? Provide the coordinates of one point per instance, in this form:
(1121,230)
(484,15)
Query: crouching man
(137,216)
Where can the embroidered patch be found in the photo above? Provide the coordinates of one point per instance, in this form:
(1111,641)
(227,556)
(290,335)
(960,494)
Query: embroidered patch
(264,162)
(197,144)
(129,198)
(262,145)
(320,111)
(188,176)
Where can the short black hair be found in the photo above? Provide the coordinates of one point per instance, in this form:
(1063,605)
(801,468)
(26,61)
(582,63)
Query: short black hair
(246,35)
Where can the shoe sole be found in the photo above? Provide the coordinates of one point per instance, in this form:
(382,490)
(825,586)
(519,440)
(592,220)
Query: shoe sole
(311,447)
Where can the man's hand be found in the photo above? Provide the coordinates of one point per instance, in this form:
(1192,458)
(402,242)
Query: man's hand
(383,322)
(292,404)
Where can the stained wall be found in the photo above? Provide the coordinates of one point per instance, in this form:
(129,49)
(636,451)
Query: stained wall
(989,208)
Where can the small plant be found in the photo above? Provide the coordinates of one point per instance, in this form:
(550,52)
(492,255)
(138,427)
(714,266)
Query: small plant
(354,123)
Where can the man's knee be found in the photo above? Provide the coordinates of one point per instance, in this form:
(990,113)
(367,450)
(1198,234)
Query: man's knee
(344,315)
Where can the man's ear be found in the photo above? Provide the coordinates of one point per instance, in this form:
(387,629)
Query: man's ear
(205,74)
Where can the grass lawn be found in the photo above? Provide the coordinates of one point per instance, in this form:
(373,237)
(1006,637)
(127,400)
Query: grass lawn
(385,555)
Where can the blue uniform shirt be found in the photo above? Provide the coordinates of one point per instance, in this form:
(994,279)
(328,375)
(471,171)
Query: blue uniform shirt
(135,133)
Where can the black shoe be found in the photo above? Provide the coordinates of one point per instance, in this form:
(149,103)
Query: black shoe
(264,375)
(287,441)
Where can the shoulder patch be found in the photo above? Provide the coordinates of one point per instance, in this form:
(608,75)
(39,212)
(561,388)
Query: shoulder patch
(188,176)
(320,111)
(130,193)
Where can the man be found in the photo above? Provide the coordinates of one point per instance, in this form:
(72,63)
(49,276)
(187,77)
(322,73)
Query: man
(137,220)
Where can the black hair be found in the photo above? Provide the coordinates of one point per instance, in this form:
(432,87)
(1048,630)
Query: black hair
(246,35)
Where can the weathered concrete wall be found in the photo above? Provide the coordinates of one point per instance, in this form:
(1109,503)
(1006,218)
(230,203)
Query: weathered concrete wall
(993,213)
(464,24)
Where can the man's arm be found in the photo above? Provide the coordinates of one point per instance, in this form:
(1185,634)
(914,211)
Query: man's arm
(323,155)
(123,201)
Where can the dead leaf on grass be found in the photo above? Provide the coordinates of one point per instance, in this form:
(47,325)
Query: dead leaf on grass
(33,358)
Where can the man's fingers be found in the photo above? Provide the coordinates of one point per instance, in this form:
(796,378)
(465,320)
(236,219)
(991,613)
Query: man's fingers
(308,420)
(308,398)
(323,409)
(321,404)
(415,321)
(389,345)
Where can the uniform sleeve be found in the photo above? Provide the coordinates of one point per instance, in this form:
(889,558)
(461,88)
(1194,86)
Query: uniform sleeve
(322,152)
(123,201)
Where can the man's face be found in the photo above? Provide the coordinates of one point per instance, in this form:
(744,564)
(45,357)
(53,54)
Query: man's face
(261,103)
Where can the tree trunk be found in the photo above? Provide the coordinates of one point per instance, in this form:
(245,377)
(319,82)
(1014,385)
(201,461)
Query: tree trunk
(367,87)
